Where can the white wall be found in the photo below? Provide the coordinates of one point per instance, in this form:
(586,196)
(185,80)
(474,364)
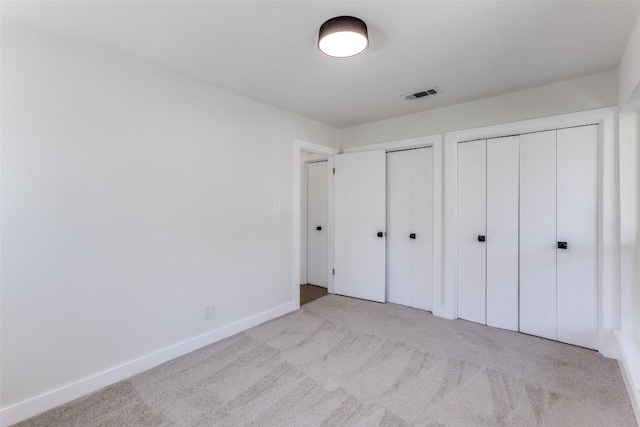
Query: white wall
(585,93)
(629,223)
(131,198)
(629,133)
(629,72)
(629,97)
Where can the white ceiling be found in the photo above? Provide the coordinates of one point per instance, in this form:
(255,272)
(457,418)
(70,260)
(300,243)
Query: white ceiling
(266,50)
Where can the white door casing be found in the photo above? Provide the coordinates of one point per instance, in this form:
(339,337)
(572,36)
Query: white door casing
(359,215)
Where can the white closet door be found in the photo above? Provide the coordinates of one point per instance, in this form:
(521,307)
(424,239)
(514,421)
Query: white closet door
(317,240)
(359,220)
(538,234)
(399,221)
(472,221)
(502,232)
(422,226)
(577,226)
(410,236)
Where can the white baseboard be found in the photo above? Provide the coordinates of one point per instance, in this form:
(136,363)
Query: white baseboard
(50,399)
(608,346)
(628,359)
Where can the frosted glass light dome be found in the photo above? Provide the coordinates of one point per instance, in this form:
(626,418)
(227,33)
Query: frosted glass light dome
(343,37)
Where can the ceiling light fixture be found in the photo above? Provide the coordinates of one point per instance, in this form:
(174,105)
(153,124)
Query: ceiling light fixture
(343,37)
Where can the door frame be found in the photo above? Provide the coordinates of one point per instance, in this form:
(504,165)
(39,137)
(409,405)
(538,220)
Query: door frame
(435,142)
(298,147)
(304,213)
(608,210)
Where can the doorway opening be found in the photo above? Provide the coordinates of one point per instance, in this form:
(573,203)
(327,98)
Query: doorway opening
(304,151)
(314,226)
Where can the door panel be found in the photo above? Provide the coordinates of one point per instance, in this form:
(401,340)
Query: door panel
(471,224)
(359,215)
(422,226)
(410,211)
(502,232)
(317,218)
(399,219)
(538,234)
(577,225)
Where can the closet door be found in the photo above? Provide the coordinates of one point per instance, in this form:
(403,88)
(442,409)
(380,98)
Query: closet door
(410,231)
(421,250)
(577,285)
(399,218)
(502,232)
(359,225)
(538,234)
(472,186)
(317,242)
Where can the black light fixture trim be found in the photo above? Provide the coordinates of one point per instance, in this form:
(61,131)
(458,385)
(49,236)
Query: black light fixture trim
(340,24)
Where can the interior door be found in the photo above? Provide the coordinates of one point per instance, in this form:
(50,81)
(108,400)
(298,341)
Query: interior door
(577,226)
(502,232)
(472,222)
(359,225)
(410,232)
(538,301)
(317,240)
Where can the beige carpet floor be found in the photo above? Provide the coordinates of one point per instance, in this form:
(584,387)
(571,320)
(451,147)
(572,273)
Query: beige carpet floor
(342,361)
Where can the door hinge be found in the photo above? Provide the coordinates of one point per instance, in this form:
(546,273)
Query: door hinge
(334,171)
(334,271)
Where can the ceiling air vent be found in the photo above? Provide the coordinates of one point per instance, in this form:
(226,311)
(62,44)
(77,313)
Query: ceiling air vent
(421,94)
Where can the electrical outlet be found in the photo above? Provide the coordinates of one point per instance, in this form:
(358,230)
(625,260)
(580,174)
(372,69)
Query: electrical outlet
(208,311)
